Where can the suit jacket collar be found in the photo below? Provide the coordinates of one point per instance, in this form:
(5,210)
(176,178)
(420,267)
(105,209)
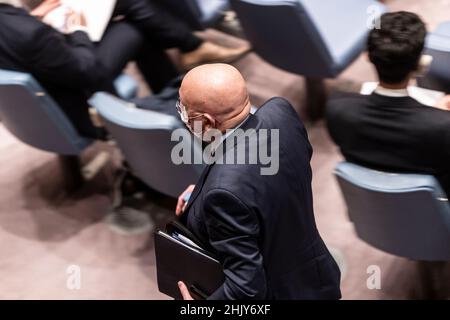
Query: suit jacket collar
(252,122)
(198,188)
(392,102)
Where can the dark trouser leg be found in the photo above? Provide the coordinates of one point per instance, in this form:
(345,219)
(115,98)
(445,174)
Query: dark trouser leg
(122,43)
(74,104)
(71,169)
(316,97)
(158,25)
(156,67)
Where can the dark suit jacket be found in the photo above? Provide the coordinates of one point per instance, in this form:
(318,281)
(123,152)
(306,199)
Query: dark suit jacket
(66,66)
(392,134)
(262,227)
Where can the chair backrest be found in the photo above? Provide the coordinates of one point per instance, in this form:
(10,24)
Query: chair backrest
(403,214)
(211,11)
(199,14)
(439,39)
(308,37)
(145,138)
(30,114)
(438,46)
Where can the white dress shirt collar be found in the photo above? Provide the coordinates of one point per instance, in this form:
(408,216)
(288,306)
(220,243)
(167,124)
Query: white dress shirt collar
(397,93)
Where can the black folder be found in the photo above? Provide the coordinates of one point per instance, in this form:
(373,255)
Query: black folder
(181,260)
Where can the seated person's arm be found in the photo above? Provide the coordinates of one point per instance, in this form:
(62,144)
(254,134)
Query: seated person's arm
(233,230)
(444,103)
(64,59)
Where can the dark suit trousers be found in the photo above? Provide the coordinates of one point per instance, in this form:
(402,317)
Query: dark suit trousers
(157,24)
(122,43)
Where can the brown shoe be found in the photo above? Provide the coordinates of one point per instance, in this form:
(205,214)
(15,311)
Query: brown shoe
(209,52)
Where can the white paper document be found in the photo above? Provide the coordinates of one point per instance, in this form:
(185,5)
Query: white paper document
(96,12)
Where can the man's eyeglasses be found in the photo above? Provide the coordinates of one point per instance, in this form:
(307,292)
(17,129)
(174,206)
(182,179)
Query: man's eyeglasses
(183,113)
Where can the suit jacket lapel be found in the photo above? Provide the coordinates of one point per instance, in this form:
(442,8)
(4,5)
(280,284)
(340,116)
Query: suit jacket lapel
(198,187)
(251,123)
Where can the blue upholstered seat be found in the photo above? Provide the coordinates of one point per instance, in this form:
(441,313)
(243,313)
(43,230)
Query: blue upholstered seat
(438,46)
(29,113)
(440,38)
(308,37)
(403,214)
(34,117)
(145,140)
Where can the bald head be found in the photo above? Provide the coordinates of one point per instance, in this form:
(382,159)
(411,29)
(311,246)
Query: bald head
(218,90)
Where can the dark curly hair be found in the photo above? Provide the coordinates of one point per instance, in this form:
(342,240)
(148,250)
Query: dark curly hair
(395,49)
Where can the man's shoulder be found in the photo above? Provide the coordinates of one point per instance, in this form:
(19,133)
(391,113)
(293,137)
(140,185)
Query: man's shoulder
(275,105)
(352,100)
(350,97)
(277,101)
(277,112)
(434,118)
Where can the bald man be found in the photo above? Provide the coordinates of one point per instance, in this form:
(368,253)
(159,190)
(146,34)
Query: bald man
(259,224)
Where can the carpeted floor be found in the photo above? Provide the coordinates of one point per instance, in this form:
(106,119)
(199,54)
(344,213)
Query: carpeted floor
(44,231)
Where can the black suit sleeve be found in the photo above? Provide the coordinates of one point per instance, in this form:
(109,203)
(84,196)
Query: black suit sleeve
(446,143)
(69,60)
(233,230)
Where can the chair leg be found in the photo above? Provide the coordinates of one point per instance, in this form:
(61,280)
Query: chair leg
(316,97)
(430,82)
(71,168)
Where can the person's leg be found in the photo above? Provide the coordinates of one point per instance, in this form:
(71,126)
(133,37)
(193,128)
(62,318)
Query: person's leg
(158,24)
(165,31)
(156,67)
(122,43)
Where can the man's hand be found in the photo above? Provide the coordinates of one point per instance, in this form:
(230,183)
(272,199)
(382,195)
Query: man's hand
(75,22)
(184,291)
(183,200)
(444,103)
(44,8)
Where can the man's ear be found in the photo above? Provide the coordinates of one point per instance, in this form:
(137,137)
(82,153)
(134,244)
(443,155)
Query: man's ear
(209,122)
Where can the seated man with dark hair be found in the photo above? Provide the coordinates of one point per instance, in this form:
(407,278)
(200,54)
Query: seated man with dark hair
(389,130)
(71,67)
